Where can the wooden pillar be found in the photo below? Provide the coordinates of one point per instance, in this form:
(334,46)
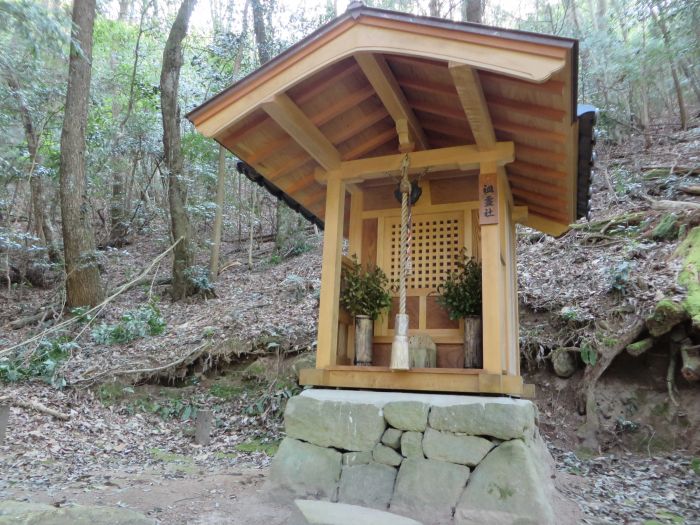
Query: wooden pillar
(327,338)
(355,248)
(491,196)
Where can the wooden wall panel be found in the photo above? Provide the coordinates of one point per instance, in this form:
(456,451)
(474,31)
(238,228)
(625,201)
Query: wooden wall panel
(381,354)
(437,317)
(369,241)
(412,309)
(380,197)
(450,356)
(462,188)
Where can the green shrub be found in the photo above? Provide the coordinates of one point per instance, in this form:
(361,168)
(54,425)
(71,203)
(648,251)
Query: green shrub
(460,292)
(144,321)
(42,362)
(365,292)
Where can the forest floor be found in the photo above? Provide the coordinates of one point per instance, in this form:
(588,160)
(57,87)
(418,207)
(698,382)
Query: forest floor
(128,440)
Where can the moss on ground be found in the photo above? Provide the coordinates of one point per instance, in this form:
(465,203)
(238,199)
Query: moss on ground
(667,229)
(689,277)
(666,315)
(259,445)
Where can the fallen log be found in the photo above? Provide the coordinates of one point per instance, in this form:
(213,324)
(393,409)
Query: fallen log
(35,406)
(666,205)
(693,189)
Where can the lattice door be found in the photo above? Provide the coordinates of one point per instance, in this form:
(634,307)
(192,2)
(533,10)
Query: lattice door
(436,241)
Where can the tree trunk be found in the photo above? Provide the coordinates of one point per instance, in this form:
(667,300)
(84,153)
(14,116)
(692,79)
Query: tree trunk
(661,23)
(262,40)
(473,11)
(183,256)
(41,221)
(218,218)
(83,283)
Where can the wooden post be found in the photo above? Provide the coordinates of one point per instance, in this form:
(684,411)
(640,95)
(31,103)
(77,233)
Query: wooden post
(327,339)
(203,421)
(355,248)
(4,419)
(493,305)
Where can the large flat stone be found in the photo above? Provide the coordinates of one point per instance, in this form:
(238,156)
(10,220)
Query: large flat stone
(392,438)
(325,513)
(356,458)
(367,485)
(407,415)
(509,487)
(500,420)
(412,445)
(455,448)
(16,513)
(306,470)
(428,490)
(347,426)
(386,455)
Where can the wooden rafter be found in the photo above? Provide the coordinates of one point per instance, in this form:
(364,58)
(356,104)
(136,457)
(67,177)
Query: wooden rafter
(471,96)
(426,86)
(290,164)
(529,131)
(319,86)
(533,110)
(389,91)
(293,120)
(358,125)
(370,144)
(536,171)
(441,110)
(341,106)
(543,188)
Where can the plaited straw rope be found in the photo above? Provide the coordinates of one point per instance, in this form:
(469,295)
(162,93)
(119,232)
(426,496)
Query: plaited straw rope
(405,188)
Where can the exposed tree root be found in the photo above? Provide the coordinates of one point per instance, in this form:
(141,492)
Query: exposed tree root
(586,391)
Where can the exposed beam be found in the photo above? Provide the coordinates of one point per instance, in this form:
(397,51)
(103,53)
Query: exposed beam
(389,91)
(293,120)
(463,158)
(468,85)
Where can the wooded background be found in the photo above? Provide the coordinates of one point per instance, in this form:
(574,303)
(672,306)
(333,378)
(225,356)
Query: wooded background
(96,151)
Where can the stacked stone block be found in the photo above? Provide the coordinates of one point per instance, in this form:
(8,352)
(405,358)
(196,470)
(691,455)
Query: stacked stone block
(438,459)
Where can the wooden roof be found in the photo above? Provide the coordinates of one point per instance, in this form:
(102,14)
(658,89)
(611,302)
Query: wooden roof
(340,95)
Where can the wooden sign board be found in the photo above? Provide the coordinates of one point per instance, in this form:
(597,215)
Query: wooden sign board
(488,198)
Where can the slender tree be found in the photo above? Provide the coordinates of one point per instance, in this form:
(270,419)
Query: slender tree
(41,220)
(183,256)
(83,283)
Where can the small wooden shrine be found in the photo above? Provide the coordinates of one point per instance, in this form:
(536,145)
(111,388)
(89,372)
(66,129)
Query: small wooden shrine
(487,122)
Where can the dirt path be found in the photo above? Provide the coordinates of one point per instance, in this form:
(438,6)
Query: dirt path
(228,496)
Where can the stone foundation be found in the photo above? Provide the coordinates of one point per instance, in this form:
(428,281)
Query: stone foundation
(435,458)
